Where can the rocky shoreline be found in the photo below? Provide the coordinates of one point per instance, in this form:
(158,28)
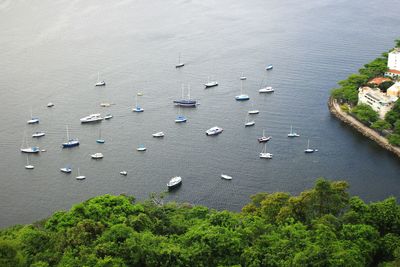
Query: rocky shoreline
(335,109)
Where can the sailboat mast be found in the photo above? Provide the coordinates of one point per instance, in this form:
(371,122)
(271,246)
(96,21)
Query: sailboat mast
(241,87)
(188,91)
(182,89)
(67,133)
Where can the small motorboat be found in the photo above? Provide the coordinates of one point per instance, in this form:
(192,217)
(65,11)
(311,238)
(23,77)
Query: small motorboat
(250,123)
(267,89)
(226,177)
(105,105)
(242,97)
(174,182)
(97,156)
(124,173)
(49,105)
(38,134)
(180,119)
(252,112)
(214,130)
(141,148)
(211,84)
(108,116)
(66,169)
(140,94)
(33,120)
(159,134)
(269,67)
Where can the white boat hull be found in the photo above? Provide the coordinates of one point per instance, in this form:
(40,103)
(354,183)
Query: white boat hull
(226,177)
(266,155)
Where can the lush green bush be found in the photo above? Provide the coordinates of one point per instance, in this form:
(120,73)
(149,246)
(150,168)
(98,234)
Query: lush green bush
(393,115)
(365,113)
(394,139)
(322,226)
(381,125)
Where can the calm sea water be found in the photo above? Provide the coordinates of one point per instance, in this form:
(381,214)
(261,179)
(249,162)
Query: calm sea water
(51,51)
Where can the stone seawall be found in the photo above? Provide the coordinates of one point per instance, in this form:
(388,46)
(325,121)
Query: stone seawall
(335,109)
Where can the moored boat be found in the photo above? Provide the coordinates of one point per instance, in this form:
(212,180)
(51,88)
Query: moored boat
(71,142)
(97,155)
(66,169)
(264,138)
(99,83)
(269,67)
(174,182)
(226,177)
(267,89)
(124,173)
(108,116)
(33,149)
(158,134)
(92,118)
(38,134)
(214,130)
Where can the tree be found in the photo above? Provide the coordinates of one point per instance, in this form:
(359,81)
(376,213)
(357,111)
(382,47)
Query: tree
(365,113)
(380,125)
(385,85)
(394,139)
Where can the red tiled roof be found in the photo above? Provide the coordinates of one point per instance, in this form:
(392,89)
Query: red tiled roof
(394,71)
(379,80)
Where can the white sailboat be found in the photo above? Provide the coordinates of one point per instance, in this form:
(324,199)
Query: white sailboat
(253,111)
(33,120)
(25,148)
(264,154)
(28,165)
(180,64)
(210,83)
(242,77)
(309,150)
(249,123)
(80,177)
(242,97)
(292,134)
(99,83)
(137,108)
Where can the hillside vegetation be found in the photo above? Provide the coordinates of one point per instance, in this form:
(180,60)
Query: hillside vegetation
(322,226)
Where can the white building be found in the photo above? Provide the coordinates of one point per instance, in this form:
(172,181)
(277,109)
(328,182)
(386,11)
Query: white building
(394,90)
(378,101)
(394,63)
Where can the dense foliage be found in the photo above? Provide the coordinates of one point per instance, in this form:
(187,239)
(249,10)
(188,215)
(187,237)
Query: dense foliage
(365,113)
(323,226)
